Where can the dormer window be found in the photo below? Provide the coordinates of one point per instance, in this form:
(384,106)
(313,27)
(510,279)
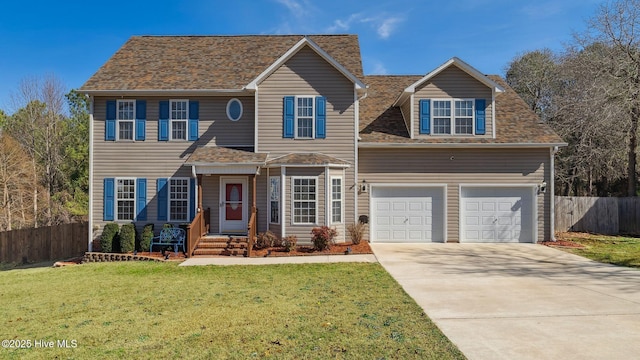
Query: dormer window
(452,116)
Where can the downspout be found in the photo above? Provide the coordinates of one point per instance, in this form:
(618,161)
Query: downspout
(553,152)
(90,232)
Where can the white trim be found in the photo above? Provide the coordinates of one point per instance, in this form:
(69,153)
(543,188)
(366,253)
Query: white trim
(317,201)
(552,193)
(493,114)
(412,115)
(458,63)
(305,41)
(132,121)
(244,180)
(313,117)
(331,200)
(445,208)
(356,139)
(283,183)
(458,145)
(115,198)
(534,215)
(241,109)
(327,191)
(255,120)
(188,179)
(91,187)
(186,120)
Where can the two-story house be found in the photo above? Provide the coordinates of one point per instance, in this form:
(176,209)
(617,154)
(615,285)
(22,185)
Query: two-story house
(286,133)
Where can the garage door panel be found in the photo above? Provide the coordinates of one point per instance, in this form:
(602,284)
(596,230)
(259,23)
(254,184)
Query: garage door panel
(506,214)
(409,216)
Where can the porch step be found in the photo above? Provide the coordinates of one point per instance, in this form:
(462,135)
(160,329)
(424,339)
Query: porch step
(222,245)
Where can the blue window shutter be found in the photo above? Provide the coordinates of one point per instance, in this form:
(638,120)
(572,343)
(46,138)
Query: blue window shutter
(141,119)
(194,115)
(141,199)
(109,199)
(425,116)
(288,116)
(110,121)
(192,198)
(481,127)
(321,117)
(163,121)
(163,195)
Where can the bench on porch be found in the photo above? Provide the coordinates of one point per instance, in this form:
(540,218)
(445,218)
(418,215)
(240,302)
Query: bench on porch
(175,237)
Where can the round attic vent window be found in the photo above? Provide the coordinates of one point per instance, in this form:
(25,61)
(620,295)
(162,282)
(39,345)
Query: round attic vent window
(234,109)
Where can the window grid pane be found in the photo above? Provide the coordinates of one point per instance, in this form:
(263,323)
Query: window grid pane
(304,112)
(274,198)
(336,200)
(125,117)
(125,198)
(304,201)
(125,110)
(179,130)
(464,117)
(178,199)
(441,117)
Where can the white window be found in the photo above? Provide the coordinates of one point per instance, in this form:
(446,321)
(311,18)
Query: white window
(274,199)
(178,199)
(304,117)
(125,116)
(178,116)
(304,191)
(125,199)
(336,199)
(454,116)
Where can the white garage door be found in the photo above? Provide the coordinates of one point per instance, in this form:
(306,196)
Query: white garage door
(407,214)
(497,214)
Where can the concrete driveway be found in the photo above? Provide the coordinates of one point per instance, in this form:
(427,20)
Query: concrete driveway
(521,301)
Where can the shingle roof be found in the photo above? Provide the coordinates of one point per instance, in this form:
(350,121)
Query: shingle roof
(208,62)
(380,122)
(225,156)
(307,159)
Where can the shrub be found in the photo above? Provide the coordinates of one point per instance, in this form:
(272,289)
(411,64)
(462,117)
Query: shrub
(127,238)
(323,237)
(289,243)
(265,240)
(109,234)
(144,240)
(356,232)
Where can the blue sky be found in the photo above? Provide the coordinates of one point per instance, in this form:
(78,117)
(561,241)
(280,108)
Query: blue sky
(72,39)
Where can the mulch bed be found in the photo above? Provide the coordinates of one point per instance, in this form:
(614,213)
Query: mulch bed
(337,249)
(563,240)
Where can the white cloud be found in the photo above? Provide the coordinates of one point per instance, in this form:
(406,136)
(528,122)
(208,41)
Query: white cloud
(379,68)
(383,24)
(295,7)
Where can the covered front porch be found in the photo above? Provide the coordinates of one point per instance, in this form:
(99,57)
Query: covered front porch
(226,212)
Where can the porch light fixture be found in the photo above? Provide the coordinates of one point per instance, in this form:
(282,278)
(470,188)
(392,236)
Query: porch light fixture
(542,188)
(364,187)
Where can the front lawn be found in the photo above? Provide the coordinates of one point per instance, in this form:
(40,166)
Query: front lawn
(160,310)
(617,250)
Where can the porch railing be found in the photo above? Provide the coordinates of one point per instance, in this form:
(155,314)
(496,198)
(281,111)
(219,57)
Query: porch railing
(198,227)
(251,231)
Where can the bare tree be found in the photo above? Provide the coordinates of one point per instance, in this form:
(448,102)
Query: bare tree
(36,126)
(15,175)
(616,27)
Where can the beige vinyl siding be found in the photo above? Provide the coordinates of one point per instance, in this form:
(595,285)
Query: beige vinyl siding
(453,83)
(153,159)
(306,73)
(303,232)
(454,167)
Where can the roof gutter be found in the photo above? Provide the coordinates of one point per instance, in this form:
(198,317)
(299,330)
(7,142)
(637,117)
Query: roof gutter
(155,92)
(457,145)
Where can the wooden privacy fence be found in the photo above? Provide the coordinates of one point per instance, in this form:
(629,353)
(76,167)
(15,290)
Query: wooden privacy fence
(44,243)
(598,214)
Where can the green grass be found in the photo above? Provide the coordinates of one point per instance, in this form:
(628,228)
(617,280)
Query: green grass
(160,310)
(617,250)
